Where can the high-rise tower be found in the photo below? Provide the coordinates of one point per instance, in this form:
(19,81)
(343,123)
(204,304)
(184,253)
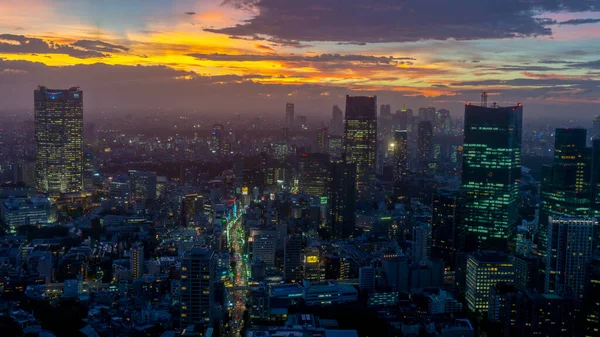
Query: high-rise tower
(59,139)
(491,172)
(360,140)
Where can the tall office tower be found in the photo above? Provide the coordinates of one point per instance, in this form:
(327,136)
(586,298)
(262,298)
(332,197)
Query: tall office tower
(314,175)
(565,184)
(322,140)
(335,147)
(216,142)
(263,249)
(571,245)
(143,186)
(491,172)
(385,110)
(421,249)
(59,140)
(401,120)
(366,279)
(396,271)
(289,115)
(136,260)
(337,120)
(292,264)
(591,306)
(424,146)
(485,269)
(400,155)
(360,141)
(596,127)
(196,296)
(342,199)
(312,264)
(445,232)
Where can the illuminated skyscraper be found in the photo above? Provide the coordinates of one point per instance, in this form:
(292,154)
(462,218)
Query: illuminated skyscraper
(400,154)
(571,245)
(485,270)
(322,140)
(360,141)
(59,139)
(289,115)
(491,172)
(565,184)
(424,145)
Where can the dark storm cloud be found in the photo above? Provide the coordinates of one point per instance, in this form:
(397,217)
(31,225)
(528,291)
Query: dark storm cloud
(362,21)
(586,65)
(100,46)
(579,21)
(292,58)
(19,44)
(522,68)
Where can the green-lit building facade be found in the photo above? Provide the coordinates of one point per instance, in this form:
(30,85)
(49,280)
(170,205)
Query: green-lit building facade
(490,174)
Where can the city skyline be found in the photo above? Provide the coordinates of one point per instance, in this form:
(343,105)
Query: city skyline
(130,56)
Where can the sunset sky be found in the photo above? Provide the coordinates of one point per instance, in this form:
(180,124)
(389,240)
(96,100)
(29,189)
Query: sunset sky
(255,55)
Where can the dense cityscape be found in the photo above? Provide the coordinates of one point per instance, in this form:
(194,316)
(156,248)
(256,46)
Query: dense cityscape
(373,223)
(300,168)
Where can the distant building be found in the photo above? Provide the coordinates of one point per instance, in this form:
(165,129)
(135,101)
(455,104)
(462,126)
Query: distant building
(59,139)
(400,155)
(337,120)
(446,235)
(322,140)
(27,211)
(216,140)
(292,266)
(424,146)
(136,260)
(312,264)
(143,186)
(289,115)
(366,279)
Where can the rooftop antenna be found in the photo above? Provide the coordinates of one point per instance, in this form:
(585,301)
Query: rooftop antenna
(484,97)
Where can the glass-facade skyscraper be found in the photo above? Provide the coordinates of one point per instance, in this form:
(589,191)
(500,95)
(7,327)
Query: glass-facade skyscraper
(59,140)
(491,172)
(565,189)
(360,140)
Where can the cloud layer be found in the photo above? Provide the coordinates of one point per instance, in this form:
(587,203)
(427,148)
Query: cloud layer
(376,21)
